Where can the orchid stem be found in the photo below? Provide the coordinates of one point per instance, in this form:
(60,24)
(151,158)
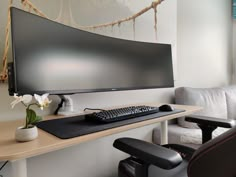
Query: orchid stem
(26,119)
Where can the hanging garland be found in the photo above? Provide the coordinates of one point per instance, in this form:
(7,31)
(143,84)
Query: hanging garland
(3,74)
(133,17)
(29,6)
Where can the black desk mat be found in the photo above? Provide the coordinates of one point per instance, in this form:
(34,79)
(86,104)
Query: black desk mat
(71,127)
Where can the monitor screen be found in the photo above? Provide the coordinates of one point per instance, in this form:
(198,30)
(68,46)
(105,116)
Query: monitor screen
(58,59)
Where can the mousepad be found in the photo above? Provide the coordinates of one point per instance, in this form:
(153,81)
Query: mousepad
(71,127)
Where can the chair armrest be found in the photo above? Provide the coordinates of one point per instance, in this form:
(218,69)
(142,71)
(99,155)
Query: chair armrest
(149,153)
(211,121)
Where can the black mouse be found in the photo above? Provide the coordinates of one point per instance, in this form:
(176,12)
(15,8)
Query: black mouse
(166,107)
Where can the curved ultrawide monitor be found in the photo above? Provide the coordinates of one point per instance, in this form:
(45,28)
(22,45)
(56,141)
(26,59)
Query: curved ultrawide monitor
(54,58)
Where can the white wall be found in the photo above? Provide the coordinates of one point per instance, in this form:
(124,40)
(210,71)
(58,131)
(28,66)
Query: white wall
(204,43)
(202,37)
(234,52)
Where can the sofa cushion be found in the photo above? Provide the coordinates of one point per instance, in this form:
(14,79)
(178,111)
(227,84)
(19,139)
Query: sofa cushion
(175,135)
(186,136)
(213,101)
(230,93)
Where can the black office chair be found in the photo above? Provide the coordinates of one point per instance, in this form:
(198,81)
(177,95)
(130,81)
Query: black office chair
(215,158)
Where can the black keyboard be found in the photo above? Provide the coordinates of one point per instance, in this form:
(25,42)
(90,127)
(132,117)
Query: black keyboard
(119,114)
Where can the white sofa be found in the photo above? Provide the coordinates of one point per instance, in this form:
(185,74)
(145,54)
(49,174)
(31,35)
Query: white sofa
(217,103)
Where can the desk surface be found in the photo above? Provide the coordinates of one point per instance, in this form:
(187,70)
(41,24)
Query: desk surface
(12,150)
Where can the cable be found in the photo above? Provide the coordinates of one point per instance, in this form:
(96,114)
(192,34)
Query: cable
(94,109)
(3,165)
(59,106)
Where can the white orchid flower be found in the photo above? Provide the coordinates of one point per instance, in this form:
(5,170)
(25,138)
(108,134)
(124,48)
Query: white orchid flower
(25,99)
(17,100)
(43,100)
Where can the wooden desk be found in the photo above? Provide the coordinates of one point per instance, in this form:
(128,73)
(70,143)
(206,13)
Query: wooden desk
(17,152)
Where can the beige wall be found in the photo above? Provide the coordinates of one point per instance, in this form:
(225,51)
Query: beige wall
(202,57)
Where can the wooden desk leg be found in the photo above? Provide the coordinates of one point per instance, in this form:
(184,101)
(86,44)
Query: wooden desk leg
(19,168)
(164,132)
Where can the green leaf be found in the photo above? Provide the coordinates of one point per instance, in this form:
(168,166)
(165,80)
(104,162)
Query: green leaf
(30,116)
(36,119)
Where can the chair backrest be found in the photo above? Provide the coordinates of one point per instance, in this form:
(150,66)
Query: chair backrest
(216,158)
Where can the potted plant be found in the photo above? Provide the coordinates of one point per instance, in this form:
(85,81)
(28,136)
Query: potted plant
(29,131)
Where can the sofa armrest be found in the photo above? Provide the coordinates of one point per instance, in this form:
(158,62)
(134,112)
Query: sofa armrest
(211,121)
(149,153)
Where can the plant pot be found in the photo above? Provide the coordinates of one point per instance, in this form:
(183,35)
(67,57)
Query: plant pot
(26,134)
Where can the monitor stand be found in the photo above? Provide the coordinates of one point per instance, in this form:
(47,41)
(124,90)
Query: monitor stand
(66,106)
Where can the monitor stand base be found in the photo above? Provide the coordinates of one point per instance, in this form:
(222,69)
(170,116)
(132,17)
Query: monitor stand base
(66,107)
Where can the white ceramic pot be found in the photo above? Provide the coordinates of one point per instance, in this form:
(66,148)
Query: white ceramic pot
(26,134)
